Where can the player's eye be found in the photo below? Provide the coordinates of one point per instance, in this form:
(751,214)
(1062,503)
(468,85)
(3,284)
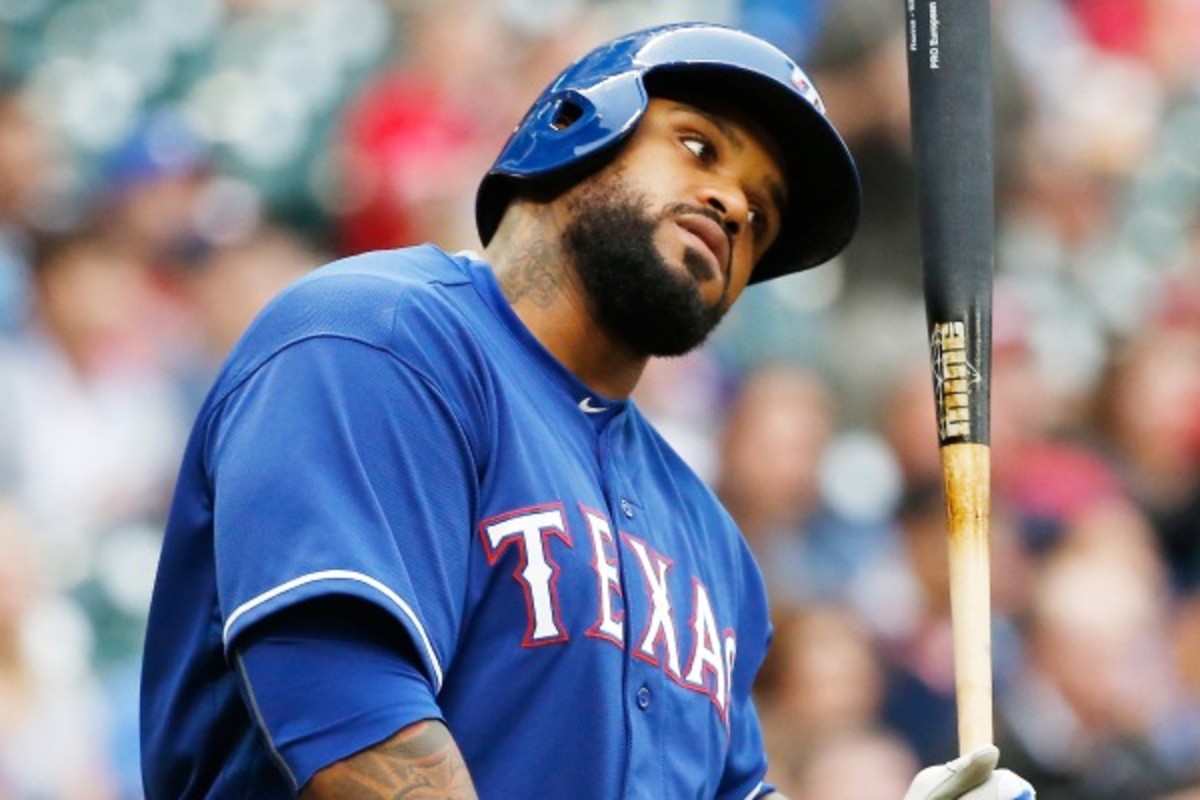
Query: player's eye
(701,147)
(760,223)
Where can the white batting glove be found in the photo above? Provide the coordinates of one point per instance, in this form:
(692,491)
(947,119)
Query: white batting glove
(970,777)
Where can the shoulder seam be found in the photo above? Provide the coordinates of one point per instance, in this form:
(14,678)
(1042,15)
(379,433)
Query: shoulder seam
(428,382)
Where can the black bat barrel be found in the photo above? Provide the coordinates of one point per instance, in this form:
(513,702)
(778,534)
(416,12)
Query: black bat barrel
(949,52)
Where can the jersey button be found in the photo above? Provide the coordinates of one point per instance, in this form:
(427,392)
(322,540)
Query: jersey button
(643,698)
(627,508)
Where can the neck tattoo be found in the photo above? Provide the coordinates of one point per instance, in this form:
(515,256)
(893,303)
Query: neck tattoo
(533,275)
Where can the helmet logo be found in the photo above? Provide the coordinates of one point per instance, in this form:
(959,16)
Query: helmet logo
(801,82)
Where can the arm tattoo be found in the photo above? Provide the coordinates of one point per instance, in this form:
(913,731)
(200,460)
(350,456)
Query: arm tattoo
(532,276)
(421,762)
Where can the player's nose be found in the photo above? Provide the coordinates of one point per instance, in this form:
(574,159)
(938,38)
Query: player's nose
(730,204)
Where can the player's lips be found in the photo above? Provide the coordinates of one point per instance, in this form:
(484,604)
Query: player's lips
(714,239)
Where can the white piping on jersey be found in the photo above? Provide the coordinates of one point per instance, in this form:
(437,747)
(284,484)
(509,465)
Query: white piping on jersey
(585,405)
(348,575)
(262,723)
(754,792)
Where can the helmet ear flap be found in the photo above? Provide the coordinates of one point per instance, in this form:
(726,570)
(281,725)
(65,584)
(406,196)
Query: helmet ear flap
(565,136)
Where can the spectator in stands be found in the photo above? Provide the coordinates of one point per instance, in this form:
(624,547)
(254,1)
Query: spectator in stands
(53,720)
(1099,711)
(90,429)
(822,678)
(769,464)
(27,161)
(1149,414)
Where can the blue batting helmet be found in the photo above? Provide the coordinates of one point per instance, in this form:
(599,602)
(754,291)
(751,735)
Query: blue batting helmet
(595,104)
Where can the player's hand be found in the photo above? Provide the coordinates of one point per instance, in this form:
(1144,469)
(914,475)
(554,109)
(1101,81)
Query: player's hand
(970,777)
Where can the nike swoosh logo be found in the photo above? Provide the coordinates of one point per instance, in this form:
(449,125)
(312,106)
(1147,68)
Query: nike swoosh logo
(585,405)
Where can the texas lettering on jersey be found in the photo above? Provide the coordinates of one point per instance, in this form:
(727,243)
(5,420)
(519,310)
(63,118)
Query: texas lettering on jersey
(537,532)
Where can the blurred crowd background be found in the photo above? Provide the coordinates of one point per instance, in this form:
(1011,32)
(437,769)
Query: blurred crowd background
(167,166)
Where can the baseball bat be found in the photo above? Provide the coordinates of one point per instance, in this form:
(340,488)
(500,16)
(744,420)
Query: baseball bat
(949,76)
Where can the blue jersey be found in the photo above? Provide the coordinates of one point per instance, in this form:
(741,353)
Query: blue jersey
(587,615)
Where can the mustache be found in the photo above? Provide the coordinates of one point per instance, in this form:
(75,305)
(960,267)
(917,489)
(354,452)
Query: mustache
(677,209)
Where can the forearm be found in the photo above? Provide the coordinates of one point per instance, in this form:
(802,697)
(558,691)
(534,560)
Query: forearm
(421,762)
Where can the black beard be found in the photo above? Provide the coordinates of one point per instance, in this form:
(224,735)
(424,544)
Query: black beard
(633,293)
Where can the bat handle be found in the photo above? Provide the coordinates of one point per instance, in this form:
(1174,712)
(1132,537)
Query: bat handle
(966,470)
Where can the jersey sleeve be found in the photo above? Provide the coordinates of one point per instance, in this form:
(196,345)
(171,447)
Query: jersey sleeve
(325,680)
(338,469)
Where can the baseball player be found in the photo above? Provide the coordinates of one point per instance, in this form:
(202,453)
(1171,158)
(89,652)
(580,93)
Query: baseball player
(423,544)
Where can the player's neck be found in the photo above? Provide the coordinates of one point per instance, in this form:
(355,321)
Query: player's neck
(544,292)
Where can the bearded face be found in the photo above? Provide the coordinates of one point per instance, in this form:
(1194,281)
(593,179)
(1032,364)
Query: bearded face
(653,307)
